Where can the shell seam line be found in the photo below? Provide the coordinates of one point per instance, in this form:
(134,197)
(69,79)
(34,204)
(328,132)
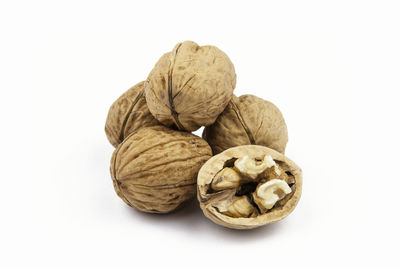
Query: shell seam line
(163,186)
(121,134)
(183,87)
(114,174)
(170,97)
(249,135)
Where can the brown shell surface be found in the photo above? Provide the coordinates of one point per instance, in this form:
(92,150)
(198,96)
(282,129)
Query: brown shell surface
(155,169)
(190,86)
(127,114)
(248,120)
(217,162)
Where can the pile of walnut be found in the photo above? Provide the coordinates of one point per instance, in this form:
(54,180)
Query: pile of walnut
(158,164)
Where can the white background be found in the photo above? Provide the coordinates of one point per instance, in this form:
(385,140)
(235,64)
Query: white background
(332,67)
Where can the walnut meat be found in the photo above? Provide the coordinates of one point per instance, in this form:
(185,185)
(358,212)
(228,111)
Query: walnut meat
(190,86)
(248,120)
(256,186)
(127,114)
(155,168)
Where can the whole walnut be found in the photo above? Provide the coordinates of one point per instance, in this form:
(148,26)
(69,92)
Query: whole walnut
(155,169)
(248,120)
(248,186)
(127,114)
(190,86)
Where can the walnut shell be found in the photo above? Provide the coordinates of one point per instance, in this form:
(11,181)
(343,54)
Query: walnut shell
(190,86)
(212,201)
(248,120)
(155,168)
(127,114)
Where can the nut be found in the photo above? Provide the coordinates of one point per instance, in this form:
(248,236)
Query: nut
(155,168)
(248,120)
(273,190)
(127,114)
(252,167)
(240,207)
(276,173)
(190,86)
(225,179)
(268,193)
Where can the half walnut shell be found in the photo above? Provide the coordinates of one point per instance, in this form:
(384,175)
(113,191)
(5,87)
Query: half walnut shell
(248,186)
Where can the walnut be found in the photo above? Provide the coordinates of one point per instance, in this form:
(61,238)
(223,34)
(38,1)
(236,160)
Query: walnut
(190,86)
(155,168)
(253,168)
(226,178)
(261,195)
(268,193)
(127,114)
(248,120)
(238,207)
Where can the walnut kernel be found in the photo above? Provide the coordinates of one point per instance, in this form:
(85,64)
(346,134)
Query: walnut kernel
(268,193)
